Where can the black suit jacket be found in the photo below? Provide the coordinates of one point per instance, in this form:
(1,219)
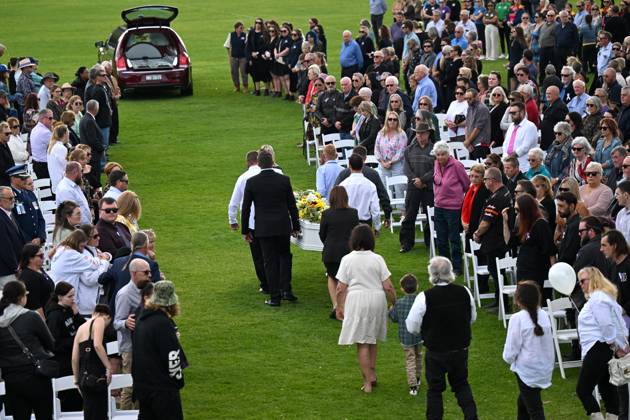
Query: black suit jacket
(98,93)
(334,231)
(276,211)
(92,136)
(12,243)
(6,162)
(554,113)
(368,132)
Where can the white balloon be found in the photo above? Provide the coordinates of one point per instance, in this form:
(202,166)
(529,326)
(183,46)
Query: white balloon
(562,278)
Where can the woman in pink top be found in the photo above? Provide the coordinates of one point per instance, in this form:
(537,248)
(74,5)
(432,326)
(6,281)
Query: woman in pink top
(389,150)
(450,183)
(596,196)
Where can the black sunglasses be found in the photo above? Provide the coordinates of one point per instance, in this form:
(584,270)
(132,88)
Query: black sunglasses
(109,211)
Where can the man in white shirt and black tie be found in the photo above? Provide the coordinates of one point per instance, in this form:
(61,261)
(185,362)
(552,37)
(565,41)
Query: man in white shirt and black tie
(362,194)
(521,135)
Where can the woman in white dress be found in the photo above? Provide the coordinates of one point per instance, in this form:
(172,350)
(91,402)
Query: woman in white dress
(362,293)
(57,154)
(17,143)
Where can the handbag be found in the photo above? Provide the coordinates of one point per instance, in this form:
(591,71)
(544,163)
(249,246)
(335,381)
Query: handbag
(619,370)
(88,380)
(43,367)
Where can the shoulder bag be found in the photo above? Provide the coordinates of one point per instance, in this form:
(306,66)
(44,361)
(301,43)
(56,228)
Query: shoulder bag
(619,370)
(47,368)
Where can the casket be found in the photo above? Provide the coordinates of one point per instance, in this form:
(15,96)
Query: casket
(309,238)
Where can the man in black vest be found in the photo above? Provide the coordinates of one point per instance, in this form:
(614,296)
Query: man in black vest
(443,315)
(276,219)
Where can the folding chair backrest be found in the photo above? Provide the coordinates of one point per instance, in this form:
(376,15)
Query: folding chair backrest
(58,385)
(433,233)
(371,161)
(393,181)
(330,138)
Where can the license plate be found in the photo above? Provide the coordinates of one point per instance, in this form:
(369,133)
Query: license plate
(153,77)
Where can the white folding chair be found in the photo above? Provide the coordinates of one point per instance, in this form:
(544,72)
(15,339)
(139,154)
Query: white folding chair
(49,218)
(42,183)
(371,161)
(119,382)
(396,202)
(505,265)
(458,150)
(63,384)
(311,143)
(498,150)
(465,258)
(468,163)
(477,271)
(433,233)
(3,392)
(47,206)
(344,148)
(561,336)
(330,138)
(112,348)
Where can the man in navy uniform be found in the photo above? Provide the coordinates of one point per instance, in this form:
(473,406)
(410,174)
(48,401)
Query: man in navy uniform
(26,210)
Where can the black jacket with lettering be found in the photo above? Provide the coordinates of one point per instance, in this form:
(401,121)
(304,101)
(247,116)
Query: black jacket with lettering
(158,358)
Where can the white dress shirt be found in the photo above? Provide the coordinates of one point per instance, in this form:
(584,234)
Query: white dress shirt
(44,97)
(237,196)
(600,320)
(454,109)
(419,308)
(622,223)
(40,136)
(68,190)
(113,192)
(57,164)
(363,197)
(18,149)
(526,139)
(530,356)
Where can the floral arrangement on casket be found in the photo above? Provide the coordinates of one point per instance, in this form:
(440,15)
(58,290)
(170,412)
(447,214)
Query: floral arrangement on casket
(310,205)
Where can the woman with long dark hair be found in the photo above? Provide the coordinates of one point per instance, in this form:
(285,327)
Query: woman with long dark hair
(27,392)
(529,350)
(38,284)
(537,250)
(63,321)
(257,45)
(67,218)
(517,47)
(334,231)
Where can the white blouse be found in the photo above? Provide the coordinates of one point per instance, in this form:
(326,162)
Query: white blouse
(57,164)
(456,108)
(18,149)
(601,320)
(530,356)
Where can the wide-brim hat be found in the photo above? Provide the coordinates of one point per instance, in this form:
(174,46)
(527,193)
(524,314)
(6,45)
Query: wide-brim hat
(164,294)
(423,128)
(50,75)
(67,86)
(26,62)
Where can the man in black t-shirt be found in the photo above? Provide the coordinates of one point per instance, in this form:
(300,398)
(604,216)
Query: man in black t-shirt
(569,243)
(490,231)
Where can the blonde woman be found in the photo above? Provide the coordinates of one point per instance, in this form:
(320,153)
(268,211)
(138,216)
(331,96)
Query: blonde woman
(129,210)
(57,154)
(603,334)
(596,195)
(16,142)
(389,149)
(75,104)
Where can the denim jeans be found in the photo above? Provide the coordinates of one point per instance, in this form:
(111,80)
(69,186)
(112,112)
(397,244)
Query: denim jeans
(105,132)
(448,226)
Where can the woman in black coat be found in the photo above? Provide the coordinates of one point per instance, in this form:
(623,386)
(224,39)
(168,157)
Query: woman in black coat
(369,128)
(498,105)
(334,231)
(38,284)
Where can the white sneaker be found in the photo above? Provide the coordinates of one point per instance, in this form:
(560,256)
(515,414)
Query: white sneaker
(413,390)
(597,416)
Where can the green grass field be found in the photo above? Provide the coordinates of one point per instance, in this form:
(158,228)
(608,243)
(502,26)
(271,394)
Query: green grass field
(183,156)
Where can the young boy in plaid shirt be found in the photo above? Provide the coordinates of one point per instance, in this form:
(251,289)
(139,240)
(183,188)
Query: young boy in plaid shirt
(412,344)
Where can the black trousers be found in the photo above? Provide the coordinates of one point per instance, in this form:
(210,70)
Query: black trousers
(94,404)
(160,405)
(41,169)
(377,22)
(349,71)
(413,200)
(561,55)
(454,366)
(259,262)
(546,57)
(27,394)
(276,251)
(622,393)
(113,131)
(504,38)
(492,269)
(529,405)
(595,372)
(480,152)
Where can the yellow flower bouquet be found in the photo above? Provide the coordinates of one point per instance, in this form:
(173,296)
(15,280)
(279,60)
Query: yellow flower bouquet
(310,205)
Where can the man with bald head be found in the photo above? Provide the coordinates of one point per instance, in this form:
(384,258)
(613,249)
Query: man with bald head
(345,113)
(425,87)
(128,300)
(351,57)
(612,86)
(327,104)
(391,87)
(554,112)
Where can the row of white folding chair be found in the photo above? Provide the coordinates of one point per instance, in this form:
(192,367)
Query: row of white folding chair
(561,335)
(396,202)
(505,266)
(371,161)
(344,148)
(458,150)
(67,382)
(42,188)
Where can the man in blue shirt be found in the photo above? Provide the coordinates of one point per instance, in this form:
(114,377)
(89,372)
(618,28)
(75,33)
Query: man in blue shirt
(409,34)
(377,10)
(578,102)
(328,172)
(425,87)
(459,38)
(580,15)
(351,57)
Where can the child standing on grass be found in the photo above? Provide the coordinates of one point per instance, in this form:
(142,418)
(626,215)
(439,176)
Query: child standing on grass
(412,344)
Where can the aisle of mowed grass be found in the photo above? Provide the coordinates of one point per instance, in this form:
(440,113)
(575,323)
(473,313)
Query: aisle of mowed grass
(183,156)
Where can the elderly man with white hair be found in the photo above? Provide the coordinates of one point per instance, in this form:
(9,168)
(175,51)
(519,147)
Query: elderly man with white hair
(351,57)
(467,24)
(425,86)
(391,87)
(459,38)
(443,316)
(578,102)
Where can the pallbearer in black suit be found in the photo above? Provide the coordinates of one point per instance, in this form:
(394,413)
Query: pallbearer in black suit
(26,211)
(276,219)
(334,231)
(10,237)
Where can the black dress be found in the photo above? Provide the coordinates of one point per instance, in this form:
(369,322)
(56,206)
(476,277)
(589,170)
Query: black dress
(532,262)
(39,286)
(95,399)
(496,114)
(334,231)
(258,67)
(368,132)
